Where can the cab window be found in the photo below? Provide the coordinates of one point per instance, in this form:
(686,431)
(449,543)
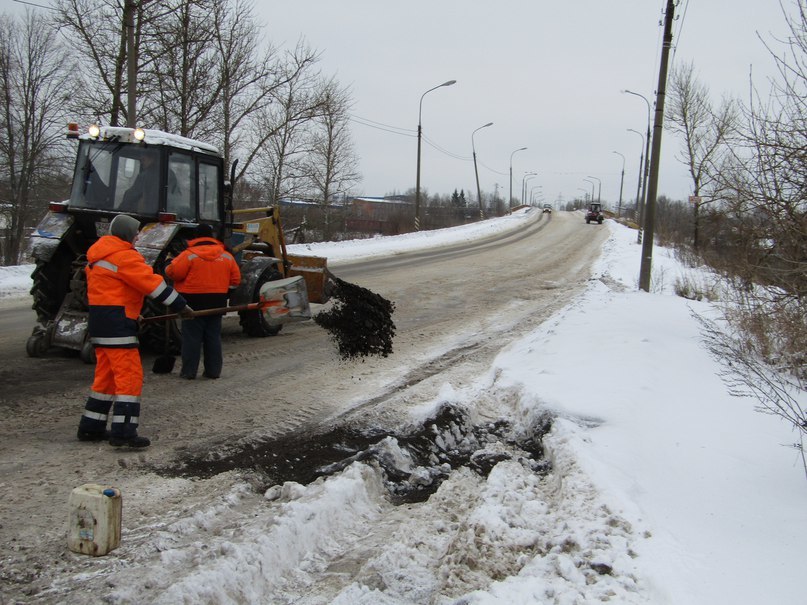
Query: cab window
(180,187)
(208,192)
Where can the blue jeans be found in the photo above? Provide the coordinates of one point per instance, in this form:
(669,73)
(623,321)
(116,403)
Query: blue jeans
(202,334)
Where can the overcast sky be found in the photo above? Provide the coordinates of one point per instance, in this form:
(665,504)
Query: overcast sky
(547,74)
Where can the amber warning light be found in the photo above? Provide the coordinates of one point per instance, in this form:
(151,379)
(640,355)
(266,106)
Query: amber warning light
(72,130)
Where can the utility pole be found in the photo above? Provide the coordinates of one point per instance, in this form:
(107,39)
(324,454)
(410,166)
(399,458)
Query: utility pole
(131,63)
(658,127)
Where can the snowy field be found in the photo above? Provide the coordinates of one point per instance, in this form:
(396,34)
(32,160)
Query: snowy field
(664,489)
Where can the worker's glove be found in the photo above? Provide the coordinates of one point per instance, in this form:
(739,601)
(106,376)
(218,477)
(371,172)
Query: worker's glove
(186,312)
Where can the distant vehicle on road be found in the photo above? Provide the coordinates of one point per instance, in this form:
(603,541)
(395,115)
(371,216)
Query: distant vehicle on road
(594,213)
(548,208)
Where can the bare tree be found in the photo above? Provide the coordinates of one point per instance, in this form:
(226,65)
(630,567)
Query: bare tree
(36,85)
(281,129)
(705,131)
(181,68)
(763,197)
(331,161)
(248,77)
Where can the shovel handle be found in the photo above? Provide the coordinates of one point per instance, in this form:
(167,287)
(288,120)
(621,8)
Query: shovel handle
(218,311)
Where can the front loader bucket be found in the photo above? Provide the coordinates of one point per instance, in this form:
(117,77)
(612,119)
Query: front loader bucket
(315,272)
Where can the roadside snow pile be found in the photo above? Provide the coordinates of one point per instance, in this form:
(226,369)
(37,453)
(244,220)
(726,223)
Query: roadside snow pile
(15,281)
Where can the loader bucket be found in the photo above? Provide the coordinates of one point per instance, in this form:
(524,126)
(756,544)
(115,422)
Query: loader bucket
(314,271)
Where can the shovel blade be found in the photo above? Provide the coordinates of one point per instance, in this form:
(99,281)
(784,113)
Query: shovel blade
(285,300)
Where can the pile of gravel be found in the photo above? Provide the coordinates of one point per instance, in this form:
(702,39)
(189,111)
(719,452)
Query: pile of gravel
(360,321)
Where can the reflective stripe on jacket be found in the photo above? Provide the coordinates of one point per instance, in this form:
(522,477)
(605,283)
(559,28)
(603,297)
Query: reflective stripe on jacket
(118,279)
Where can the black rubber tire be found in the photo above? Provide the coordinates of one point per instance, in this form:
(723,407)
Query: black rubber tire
(152,336)
(36,345)
(87,353)
(51,282)
(253,323)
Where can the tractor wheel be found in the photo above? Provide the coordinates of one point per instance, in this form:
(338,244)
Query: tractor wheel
(153,336)
(37,345)
(51,282)
(164,337)
(87,353)
(254,323)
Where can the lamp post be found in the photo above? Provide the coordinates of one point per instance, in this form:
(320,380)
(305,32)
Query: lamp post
(639,181)
(510,199)
(599,189)
(420,132)
(621,183)
(646,163)
(527,176)
(585,192)
(476,172)
(532,191)
(592,188)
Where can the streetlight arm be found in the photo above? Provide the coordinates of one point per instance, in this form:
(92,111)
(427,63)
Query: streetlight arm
(420,105)
(474,132)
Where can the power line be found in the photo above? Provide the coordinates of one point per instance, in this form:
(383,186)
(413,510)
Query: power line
(34,4)
(677,35)
(385,127)
(445,151)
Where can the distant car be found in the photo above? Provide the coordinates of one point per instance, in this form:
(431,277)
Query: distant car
(548,208)
(594,213)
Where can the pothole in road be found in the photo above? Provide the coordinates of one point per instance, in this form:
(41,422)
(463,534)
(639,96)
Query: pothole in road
(414,464)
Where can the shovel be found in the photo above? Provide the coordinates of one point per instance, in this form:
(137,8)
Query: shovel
(285,300)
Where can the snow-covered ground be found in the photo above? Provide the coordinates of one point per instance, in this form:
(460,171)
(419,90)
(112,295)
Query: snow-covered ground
(663,488)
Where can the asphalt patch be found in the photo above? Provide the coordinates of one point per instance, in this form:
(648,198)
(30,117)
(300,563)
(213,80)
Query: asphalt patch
(413,464)
(359,322)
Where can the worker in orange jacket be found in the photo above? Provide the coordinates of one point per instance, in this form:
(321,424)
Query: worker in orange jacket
(118,280)
(204,273)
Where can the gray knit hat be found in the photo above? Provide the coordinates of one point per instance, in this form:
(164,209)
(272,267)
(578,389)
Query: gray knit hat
(124,227)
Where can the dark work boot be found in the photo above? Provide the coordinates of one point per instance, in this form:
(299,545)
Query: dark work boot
(135,441)
(125,417)
(92,426)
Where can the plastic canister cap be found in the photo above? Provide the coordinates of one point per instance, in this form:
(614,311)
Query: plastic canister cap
(111,492)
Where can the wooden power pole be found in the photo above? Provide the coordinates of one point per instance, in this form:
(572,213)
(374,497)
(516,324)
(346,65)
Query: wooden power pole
(658,125)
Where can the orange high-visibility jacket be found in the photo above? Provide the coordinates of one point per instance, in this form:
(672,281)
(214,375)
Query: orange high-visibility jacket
(204,267)
(118,279)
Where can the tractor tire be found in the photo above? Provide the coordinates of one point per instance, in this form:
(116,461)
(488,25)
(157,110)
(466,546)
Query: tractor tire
(87,353)
(51,282)
(37,345)
(254,323)
(153,336)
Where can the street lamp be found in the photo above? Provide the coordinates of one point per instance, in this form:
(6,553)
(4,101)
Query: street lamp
(527,176)
(510,199)
(621,183)
(639,182)
(592,187)
(420,131)
(646,162)
(599,189)
(532,191)
(476,172)
(585,192)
